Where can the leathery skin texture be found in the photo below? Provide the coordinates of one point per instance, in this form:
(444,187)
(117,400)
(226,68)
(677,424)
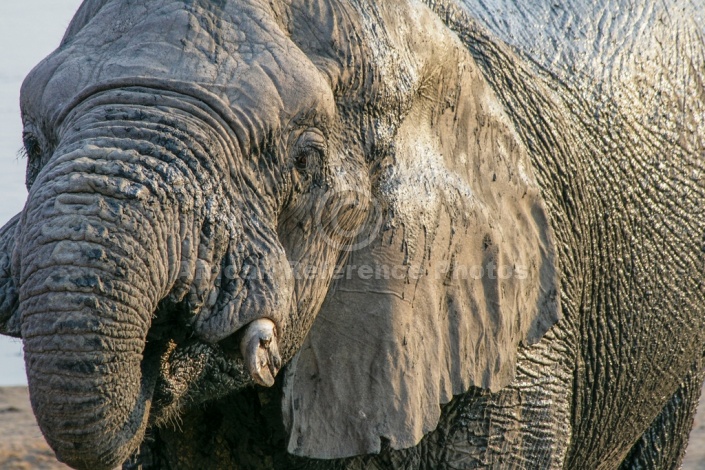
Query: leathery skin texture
(336,234)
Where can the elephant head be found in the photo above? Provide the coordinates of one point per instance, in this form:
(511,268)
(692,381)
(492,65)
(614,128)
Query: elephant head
(219,188)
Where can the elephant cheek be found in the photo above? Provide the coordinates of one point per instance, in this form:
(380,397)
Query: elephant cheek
(256,286)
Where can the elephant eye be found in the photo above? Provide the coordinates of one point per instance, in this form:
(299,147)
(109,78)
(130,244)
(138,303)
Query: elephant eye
(301,162)
(304,157)
(309,150)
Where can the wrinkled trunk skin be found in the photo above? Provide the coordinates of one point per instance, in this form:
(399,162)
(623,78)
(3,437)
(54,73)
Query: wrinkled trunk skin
(129,217)
(92,270)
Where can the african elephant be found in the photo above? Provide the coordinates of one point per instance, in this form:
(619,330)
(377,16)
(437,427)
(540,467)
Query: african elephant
(354,234)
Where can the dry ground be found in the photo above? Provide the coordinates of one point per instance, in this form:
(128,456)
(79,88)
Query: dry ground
(21,443)
(22,446)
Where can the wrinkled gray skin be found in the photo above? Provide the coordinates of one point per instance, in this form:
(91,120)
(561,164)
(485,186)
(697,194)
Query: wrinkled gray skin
(186,158)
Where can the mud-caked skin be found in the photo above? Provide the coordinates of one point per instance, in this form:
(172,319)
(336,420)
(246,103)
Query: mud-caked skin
(353,235)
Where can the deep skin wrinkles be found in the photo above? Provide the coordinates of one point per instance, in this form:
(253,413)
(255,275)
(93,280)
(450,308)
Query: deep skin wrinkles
(247,127)
(226,77)
(611,206)
(582,221)
(177,126)
(356,141)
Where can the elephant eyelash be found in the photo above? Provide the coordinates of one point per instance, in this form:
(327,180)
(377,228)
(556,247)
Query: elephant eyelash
(32,148)
(33,152)
(22,153)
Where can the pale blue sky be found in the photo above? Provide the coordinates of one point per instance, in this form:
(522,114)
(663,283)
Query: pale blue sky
(29,30)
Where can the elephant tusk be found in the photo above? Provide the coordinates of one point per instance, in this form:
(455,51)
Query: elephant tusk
(260,350)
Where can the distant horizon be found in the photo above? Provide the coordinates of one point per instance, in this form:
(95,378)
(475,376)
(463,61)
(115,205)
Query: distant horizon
(34,28)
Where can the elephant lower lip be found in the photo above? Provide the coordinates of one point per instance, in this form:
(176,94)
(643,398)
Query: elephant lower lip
(192,373)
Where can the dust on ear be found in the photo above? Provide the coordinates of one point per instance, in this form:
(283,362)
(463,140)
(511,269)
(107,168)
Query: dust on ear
(462,271)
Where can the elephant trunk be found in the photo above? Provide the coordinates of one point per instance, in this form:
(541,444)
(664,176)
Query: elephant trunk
(96,255)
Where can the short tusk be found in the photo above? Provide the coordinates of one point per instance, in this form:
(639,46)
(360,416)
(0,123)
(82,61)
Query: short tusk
(260,350)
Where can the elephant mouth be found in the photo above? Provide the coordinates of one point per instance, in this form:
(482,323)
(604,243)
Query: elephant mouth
(189,372)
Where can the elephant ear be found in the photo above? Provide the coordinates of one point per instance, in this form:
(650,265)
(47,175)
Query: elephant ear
(9,297)
(461,271)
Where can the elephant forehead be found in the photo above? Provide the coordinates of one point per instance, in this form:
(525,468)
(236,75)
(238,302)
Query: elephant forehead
(240,54)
